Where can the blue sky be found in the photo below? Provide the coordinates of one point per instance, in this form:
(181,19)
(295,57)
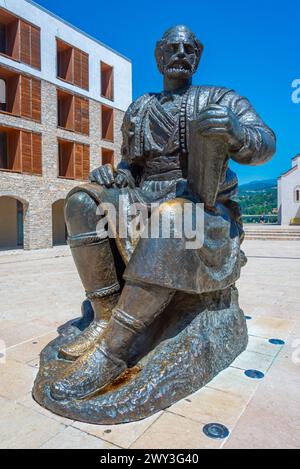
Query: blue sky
(250,46)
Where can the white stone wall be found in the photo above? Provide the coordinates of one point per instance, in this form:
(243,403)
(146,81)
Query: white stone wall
(288,206)
(52,27)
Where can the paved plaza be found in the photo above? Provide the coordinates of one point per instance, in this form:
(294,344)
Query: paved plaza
(40,290)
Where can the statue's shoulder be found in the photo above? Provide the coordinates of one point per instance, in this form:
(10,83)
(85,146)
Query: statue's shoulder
(138,103)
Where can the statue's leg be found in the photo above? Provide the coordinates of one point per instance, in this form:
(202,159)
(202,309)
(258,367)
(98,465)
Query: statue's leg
(137,307)
(95,263)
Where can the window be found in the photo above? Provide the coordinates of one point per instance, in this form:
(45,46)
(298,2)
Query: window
(297,194)
(107,156)
(19,39)
(2,95)
(20,151)
(72,65)
(20,95)
(66,159)
(107,81)
(107,123)
(73,112)
(65,109)
(74,160)
(4,164)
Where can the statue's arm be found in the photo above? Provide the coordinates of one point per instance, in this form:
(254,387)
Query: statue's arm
(126,173)
(130,168)
(257,142)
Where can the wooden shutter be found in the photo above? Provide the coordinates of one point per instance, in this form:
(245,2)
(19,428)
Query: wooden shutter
(85,118)
(65,64)
(36,140)
(63,162)
(85,71)
(107,81)
(77,114)
(107,156)
(13,39)
(65,110)
(30,98)
(30,44)
(13,151)
(13,94)
(66,159)
(35,47)
(81,72)
(26,97)
(77,67)
(107,123)
(86,162)
(69,112)
(26,152)
(31,152)
(82,161)
(25,42)
(78,161)
(36,99)
(81,113)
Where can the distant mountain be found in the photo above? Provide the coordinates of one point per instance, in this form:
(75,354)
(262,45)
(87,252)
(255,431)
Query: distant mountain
(258,197)
(258,186)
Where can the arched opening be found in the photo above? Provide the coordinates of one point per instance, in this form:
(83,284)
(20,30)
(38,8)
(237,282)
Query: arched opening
(59,229)
(11,223)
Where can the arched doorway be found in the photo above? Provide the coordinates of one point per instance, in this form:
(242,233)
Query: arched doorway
(11,223)
(59,230)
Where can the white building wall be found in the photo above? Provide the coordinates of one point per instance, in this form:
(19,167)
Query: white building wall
(53,27)
(279,200)
(290,208)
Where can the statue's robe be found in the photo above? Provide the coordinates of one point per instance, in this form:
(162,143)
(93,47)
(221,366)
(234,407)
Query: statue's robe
(155,154)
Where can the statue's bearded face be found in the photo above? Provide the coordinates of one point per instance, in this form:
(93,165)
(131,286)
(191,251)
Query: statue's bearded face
(180,55)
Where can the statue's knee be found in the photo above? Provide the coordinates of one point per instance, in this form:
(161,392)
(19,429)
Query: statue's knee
(81,213)
(174,206)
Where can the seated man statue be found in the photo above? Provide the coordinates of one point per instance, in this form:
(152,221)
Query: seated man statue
(129,282)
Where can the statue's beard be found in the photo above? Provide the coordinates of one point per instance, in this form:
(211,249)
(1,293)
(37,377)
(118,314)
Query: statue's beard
(179,70)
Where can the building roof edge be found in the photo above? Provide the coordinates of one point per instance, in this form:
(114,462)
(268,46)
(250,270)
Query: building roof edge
(77,29)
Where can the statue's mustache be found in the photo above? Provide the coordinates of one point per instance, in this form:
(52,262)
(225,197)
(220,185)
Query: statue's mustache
(180,63)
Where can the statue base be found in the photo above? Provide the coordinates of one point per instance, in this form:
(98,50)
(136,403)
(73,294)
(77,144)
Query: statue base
(195,338)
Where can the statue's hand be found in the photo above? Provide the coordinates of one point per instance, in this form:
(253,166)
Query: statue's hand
(121,180)
(220,121)
(104,175)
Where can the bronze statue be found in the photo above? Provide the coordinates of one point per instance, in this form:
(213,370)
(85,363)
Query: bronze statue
(176,148)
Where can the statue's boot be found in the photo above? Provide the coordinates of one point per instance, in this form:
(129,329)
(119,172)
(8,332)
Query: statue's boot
(138,306)
(95,262)
(75,348)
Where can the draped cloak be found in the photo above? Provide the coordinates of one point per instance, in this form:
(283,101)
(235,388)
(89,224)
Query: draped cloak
(155,154)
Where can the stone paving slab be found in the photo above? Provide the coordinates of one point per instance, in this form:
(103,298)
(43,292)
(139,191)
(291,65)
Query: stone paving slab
(258,413)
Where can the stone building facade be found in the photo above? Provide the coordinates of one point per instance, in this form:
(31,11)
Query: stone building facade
(31,203)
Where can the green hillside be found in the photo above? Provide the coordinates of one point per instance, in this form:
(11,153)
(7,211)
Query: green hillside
(258,197)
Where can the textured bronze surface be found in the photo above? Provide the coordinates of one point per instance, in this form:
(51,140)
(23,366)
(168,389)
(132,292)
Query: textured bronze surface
(196,338)
(169,315)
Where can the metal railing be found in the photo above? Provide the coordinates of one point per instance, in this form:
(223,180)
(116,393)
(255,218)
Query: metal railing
(268,219)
